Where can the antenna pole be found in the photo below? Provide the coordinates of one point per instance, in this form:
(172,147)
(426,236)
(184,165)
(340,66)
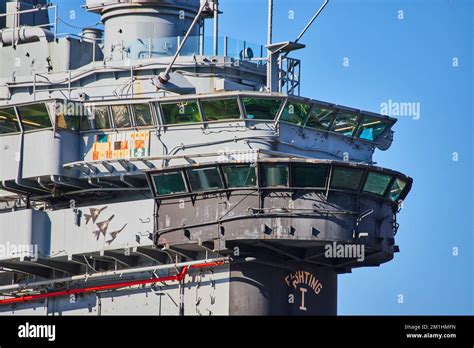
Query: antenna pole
(270,22)
(216,27)
(309,24)
(164,76)
(269,42)
(311,21)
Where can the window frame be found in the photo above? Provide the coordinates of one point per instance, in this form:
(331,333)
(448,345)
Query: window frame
(336,167)
(315,105)
(402,192)
(358,131)
(177,194)
(20,118)
(82,118)
(259,120)
(18,121)
(290,166)
(91,110)
(358,119)
(133,116)
(203,112)
(292,101)
(249,165)
(295,165)
(262,166)
(377,172)
(112,116)
(163,117)
(221,178)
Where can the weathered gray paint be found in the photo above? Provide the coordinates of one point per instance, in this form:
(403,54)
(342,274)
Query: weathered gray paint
(271,245)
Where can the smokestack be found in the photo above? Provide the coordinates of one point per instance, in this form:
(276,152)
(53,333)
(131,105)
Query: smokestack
(131,26)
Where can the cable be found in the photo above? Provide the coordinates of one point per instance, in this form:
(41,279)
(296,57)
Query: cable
(74,27)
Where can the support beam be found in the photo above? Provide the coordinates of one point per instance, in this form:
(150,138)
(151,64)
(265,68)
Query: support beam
(153,254)
(290,252)
(184,253)
(40,271)
(128,261)
(62,266)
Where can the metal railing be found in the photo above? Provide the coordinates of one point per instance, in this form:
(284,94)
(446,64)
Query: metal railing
(290,76)
(195,45)
(18,13)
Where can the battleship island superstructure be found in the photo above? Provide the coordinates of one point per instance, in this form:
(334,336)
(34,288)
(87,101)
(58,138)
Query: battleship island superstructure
(148,169)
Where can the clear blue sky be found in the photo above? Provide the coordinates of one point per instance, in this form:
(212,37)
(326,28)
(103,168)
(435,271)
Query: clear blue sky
(403,60)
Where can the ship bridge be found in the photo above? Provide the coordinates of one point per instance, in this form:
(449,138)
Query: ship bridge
(104,144)
(146,145)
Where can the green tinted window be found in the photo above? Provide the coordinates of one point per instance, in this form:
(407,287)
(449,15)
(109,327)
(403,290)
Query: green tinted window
(240,176)
(377,183)
(142,115)
(221,109)
(69,117)
(202,179)
(371,128)
(275,175)
(182,112)
(34,117)
(346,178)
(86,123)
(101,117)
(8,121)
(121,116)
(397,189)
(169,183)
(261,109)
(295,113)
(345,123)
(320,118)
(309,176)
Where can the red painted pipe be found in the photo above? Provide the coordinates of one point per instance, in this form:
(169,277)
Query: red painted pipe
(178,277)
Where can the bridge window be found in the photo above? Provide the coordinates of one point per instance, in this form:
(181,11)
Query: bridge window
(371,128)
(71,117)
(182,112)
(142,115)
(275,175)
(377,183)
(121,116)
(346,178)
(101,117)
(240,176)
(320,118)
(203,179)
(309,175)
(295,113)
(261,108)
(169,182)
(221,109)
(345,123)
(397,189)
(85,123)
(8,121)
(34,117)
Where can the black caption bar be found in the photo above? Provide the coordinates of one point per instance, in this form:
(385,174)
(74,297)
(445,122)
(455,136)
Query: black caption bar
(91,331)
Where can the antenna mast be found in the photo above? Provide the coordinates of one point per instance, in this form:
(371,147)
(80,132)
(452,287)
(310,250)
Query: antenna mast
(269,42)
(276,50)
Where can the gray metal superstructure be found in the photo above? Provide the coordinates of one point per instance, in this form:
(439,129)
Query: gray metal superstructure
(142,174)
